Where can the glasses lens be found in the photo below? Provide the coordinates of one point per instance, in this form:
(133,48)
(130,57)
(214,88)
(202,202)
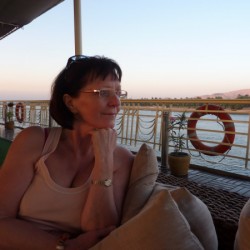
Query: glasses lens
(123,94)
(75,59)
(106,92)
(71,61)
(110,92)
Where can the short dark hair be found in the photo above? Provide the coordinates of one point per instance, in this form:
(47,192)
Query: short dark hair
(73,78)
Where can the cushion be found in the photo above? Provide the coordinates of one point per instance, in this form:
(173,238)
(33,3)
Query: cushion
(144,173)
(242,241)
(159,225)
(197,215)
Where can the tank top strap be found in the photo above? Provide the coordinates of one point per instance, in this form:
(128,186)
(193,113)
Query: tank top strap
(52,140)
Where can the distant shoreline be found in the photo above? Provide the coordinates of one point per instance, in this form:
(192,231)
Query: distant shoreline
(235,111)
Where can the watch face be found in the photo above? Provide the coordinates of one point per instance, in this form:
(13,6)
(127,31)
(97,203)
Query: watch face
(108,182)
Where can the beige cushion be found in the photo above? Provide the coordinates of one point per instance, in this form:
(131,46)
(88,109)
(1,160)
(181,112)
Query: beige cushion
(142,180)
(242,240)
(159,225)
(197,215)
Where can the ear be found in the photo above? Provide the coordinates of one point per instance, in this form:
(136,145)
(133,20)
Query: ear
(69,102)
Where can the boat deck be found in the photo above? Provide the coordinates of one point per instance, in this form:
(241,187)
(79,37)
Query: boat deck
(235,183)
(228,183)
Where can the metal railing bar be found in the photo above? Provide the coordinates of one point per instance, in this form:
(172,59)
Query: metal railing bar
(216,120)
(248,145)
(217,142)
(218,131)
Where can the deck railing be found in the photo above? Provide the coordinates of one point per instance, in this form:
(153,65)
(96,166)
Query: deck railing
(147,121)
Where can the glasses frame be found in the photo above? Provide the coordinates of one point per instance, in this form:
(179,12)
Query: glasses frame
(122,94)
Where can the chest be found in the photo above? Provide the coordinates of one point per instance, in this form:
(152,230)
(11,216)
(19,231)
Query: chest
(67,170)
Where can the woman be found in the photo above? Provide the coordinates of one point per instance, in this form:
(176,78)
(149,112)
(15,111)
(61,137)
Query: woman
(64,188)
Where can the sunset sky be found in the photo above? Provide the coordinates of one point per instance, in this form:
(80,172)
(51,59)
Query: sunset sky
(165,48)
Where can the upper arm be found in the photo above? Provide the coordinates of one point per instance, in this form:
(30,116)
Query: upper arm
(18,169)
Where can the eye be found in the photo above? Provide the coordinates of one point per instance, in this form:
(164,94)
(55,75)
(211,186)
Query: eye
(105,92)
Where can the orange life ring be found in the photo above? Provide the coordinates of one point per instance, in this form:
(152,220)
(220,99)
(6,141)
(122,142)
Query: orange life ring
(228,127)
(19,107)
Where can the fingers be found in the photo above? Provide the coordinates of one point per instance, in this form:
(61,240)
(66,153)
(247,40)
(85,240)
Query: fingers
(105,232)
(104,134)
(104,141)
(90,238)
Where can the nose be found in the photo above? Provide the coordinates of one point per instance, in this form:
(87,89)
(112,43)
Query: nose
(114,101)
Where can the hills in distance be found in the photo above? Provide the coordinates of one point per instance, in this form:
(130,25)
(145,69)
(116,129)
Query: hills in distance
(237,94)
(228,95)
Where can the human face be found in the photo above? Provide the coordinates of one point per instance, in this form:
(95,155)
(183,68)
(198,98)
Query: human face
(96,111)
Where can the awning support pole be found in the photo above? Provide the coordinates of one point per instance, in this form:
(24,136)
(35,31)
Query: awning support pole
(78,27)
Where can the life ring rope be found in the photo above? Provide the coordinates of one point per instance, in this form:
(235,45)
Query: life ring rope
(228,124)
(19,112)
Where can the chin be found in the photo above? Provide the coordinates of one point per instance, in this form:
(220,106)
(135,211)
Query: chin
(106,126)
(111,125)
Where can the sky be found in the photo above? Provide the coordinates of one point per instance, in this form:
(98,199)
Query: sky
(166,48)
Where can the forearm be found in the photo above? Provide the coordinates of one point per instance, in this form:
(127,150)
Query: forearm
(18,234)
(100,209)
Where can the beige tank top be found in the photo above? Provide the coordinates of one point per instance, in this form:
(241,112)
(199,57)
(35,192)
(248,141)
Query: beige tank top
(48,205)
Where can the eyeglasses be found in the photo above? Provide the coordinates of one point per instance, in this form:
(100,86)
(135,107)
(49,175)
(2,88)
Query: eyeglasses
(107,92)
(75,59)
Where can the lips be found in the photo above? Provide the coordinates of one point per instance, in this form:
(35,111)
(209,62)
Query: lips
(110,112)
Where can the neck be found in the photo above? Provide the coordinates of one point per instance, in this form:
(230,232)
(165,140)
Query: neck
(78,141)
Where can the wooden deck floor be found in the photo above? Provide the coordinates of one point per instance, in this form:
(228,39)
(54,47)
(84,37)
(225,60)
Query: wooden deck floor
(223,181)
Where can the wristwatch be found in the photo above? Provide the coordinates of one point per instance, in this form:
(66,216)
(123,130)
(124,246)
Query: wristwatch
(106,183)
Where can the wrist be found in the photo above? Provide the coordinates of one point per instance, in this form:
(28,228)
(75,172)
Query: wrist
(102,173)
(104,160)
(105,182)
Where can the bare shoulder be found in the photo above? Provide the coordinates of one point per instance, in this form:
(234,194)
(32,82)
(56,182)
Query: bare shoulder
(124,157)
(28,144)
(32,138)
(30,133)
(123,152)
(18,168)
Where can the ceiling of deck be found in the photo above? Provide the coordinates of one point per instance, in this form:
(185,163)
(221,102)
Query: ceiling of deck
(14,14)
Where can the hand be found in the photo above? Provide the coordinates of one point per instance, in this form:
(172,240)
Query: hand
(104,141)
(89,239)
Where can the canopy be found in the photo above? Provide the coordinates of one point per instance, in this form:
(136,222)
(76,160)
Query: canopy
(14,14)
